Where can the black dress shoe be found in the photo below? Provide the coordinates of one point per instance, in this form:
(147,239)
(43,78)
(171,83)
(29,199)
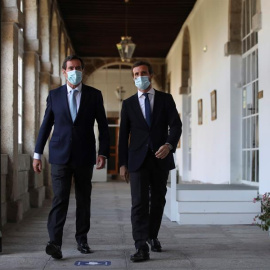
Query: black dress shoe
(84,248)
(155,245)
(140,255)
(54,250)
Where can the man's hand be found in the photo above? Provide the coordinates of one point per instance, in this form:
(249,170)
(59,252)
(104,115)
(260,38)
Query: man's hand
(37,165)
(101,161)
(124,173)
(163,151)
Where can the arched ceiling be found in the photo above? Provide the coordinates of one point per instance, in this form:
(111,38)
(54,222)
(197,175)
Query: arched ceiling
(95,26)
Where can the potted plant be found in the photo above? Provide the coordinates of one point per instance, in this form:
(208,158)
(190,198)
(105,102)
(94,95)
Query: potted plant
(263,219)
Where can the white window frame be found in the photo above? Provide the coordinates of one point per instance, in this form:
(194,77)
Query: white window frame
(250,110)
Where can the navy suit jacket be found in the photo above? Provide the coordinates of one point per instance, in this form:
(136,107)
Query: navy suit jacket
(70,141)
(135,135)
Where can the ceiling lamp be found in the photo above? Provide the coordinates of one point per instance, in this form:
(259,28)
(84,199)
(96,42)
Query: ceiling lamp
(126,47)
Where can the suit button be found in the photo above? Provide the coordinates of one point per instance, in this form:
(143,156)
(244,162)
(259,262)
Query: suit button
(146,145)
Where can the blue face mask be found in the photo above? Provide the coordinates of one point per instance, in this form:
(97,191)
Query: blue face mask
(142,82)
(74,76)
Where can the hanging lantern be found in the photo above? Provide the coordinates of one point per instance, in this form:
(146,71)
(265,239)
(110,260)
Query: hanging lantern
(126,48)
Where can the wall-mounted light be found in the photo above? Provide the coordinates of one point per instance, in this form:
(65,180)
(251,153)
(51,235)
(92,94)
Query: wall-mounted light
(205,48)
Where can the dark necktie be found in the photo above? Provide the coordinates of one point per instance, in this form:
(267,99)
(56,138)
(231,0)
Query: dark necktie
(147,109)
(73,104)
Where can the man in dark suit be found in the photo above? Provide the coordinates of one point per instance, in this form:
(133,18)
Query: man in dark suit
(149,132)
(72,110)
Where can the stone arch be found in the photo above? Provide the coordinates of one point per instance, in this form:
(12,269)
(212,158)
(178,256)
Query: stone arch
(186,63)
(93,64)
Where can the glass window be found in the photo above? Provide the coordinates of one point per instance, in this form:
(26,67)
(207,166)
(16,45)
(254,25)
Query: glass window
(20,103)
(250,105)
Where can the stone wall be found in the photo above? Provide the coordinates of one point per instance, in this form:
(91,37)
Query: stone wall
(26,34)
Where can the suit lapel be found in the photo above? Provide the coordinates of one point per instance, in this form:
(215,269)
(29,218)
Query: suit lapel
(64,97)
(82,102)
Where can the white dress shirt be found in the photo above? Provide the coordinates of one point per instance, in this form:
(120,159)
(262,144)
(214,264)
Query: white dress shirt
(141,98)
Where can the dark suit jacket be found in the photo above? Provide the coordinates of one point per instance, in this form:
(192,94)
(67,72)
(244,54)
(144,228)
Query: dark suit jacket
(74,141)
(135,135)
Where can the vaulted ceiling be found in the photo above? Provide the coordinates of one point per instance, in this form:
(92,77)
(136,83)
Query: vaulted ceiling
(95,26)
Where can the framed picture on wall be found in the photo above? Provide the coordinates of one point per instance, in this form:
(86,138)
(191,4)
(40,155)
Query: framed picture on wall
(213,95)
(200,112)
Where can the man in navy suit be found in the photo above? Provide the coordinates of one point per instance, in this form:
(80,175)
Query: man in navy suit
(71,111)
(149,132)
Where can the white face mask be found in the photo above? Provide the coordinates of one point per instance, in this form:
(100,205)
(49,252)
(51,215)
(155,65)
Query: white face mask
(74,76)
(142,82)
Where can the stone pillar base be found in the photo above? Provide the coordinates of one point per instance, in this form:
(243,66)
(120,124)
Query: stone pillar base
(15,211)
(25,201)
(4,213)
(49,192)
(37,196)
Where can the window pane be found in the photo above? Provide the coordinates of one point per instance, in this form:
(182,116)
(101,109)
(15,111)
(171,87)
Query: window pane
(248,69)
(249,99)
(244,166)
(244,67)
(257,170)
(257,131)
(20,70)
(253,166)
(20,79)
(248,176)
(248,133)
(253,132)
(244,101)
(255,97)
(253,66)
(244,133)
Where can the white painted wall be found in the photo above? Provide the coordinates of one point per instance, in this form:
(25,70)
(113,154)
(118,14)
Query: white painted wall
(216,145)
(208,26)
(107,81)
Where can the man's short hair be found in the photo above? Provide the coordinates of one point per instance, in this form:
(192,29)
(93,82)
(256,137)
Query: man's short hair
(142,63)
(72,57)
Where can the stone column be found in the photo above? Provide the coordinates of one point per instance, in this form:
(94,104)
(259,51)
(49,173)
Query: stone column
(11,19)
(4,174)
(45,84)
(31,97)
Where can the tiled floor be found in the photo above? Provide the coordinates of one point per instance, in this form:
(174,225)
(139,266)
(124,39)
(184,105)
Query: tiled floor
(184,247)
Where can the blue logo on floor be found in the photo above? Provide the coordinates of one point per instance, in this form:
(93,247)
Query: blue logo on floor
(92,263)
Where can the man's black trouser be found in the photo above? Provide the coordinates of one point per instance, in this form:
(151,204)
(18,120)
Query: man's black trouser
(148,191)
(61,182)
